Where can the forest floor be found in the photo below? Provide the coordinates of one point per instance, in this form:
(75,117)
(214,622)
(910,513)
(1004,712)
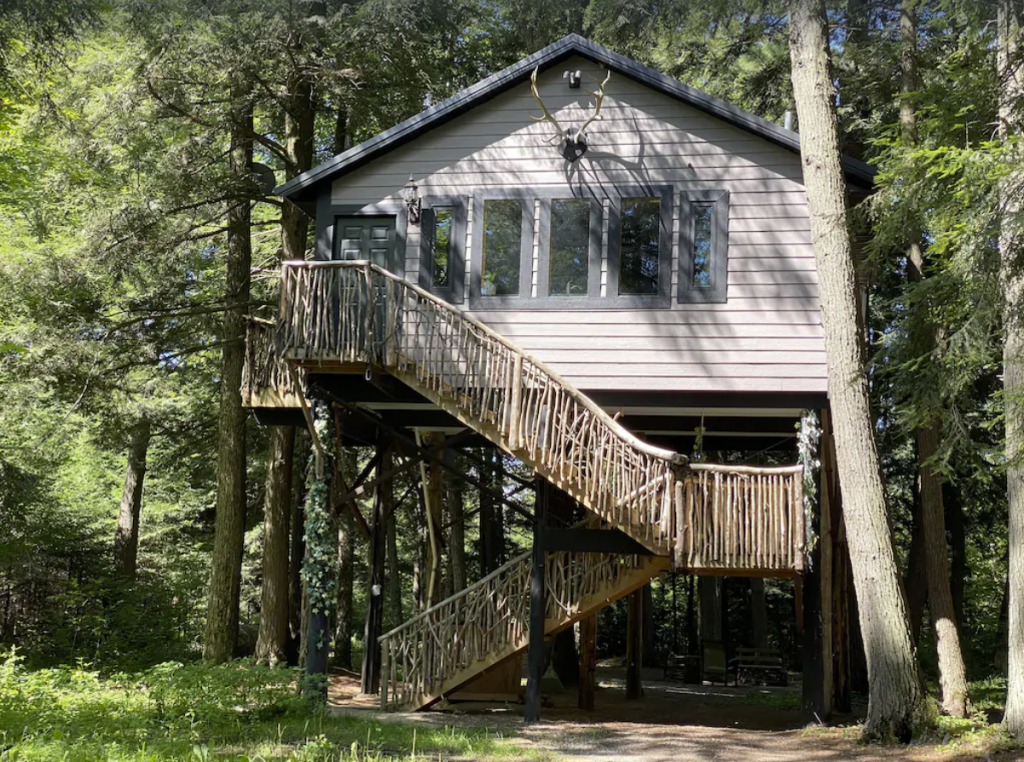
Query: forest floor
(684,723)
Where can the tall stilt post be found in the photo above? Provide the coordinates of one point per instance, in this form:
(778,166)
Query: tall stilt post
(634,645)
(538,600)
(588,661)
(370,683)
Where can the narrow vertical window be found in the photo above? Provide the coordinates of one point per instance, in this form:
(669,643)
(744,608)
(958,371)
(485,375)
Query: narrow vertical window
(502,245)
(442,246)
(569,247)
(639,246)
(702,219)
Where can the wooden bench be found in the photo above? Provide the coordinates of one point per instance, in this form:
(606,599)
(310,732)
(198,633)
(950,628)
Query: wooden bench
(684,668)
(714,666)
(759,666)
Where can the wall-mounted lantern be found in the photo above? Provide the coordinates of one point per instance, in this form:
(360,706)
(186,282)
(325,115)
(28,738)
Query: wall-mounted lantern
(413,203)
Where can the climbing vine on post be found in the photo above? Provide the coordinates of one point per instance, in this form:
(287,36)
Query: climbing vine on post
(808,441)
(318,562)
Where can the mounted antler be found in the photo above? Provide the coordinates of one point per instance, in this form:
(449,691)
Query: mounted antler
(560,134)
(598,100)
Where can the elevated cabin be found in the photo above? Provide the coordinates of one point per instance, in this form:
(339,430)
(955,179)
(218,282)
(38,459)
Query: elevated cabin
(591,291)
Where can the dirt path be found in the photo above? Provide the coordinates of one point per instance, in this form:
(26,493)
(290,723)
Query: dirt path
(673,723)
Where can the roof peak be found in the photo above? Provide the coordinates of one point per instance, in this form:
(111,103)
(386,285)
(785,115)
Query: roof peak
(301,189)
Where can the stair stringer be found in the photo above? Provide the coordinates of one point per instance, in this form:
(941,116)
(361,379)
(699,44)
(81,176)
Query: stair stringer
(563,616)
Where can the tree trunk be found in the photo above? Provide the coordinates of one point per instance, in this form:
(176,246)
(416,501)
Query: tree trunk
(648,624)
(915,582)
(229,526)
(456,536)
(565,661)
(634,645)
(489,537)
(297,549)
(382,504)
(710,593)
(434,492)
(588,661)
(692,645)
(394,574)
(126,540)
(895,701)
(758,613)
(298,142)
(343,612)
(1012,81)
(272,643)
(956,521)
(952,673)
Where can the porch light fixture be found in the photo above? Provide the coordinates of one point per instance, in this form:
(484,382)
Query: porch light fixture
(413,203)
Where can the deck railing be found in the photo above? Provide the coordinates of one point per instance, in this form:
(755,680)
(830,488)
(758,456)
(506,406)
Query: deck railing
(267,381)
(741,518)
(440,648)
(356,312)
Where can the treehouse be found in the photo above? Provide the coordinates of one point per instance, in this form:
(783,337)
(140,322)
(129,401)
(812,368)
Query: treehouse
(593,267)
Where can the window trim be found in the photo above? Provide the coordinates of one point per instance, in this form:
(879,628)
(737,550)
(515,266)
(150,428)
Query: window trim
(477,301)
(454,293)
(666,250)
(717,293)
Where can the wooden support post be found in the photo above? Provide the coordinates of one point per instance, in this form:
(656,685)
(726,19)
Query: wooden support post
(432,492)
(375,595)
(634,645)
(538,605)
(839,584)
(588,661)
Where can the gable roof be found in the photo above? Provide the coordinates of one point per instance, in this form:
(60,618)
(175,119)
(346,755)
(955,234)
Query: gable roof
(303,188)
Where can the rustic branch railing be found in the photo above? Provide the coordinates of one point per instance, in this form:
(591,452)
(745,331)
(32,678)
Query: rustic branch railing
(741,518)
(438,650)
(356,312)
(266,378)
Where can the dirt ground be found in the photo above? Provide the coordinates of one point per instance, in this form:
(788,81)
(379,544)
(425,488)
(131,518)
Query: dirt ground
(672,723)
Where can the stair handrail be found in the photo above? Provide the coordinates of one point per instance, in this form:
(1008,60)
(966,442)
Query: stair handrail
(451,599)
(674,458)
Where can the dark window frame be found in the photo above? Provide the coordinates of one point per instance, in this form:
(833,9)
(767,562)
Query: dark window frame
(718,292)
(454,292)
(477,300)
(666,253)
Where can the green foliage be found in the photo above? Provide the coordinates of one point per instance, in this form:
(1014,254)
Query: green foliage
(192,712)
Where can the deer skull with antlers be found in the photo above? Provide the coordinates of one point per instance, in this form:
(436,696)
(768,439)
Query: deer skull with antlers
(573,145)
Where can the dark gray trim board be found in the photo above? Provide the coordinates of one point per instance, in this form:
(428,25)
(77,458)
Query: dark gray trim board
(454,291)
(717,292)
(303,189)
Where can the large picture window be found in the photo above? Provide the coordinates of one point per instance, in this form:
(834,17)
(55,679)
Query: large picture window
(704,246)
(442,246)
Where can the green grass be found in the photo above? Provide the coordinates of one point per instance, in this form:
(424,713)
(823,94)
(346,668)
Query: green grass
(194,712)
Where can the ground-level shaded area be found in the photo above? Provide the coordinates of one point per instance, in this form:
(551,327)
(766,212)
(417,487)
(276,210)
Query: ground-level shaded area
(672,723)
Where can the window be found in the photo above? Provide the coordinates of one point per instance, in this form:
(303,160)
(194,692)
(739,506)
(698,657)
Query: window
(701,245)
(502,244)
(640,248)
(442,246)
(502,265)
(569,247)
(704,246)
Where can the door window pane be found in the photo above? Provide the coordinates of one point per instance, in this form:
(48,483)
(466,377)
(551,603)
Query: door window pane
(568,247)
(639,244)
(702,217)
(502,244)
(442,246)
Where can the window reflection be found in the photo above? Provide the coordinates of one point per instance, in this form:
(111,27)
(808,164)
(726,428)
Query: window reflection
(502,244)
(639,245)
(569,247)
(442,246)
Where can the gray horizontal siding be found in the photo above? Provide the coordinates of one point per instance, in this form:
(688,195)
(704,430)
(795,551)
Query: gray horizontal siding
(767,337)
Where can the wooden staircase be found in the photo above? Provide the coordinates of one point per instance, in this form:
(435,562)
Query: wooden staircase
(350,316)
(474,630)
